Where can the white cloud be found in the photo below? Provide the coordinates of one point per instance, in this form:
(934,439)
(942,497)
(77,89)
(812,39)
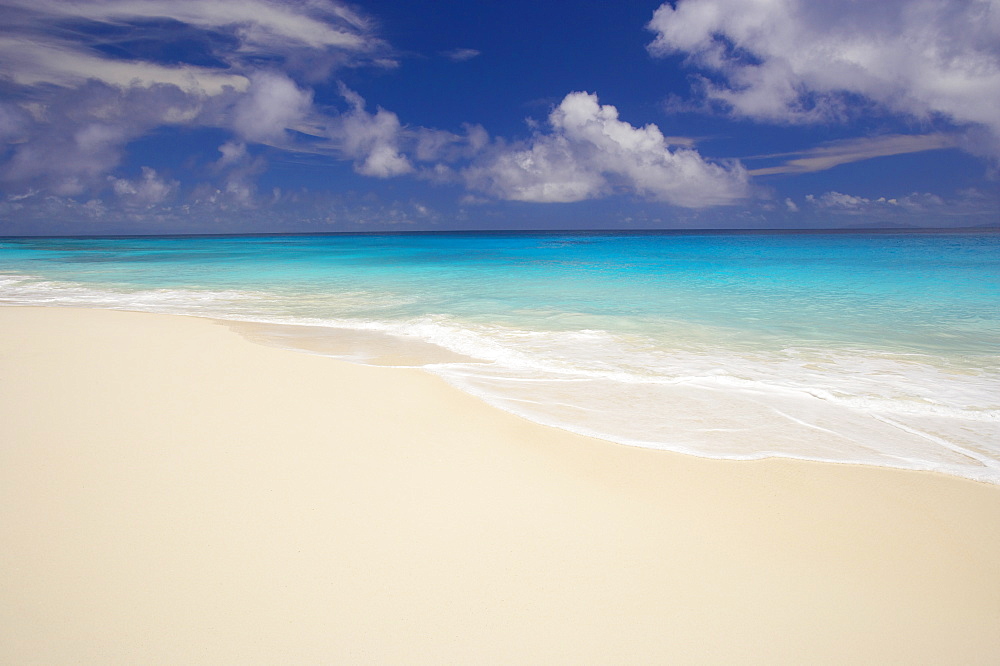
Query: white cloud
(233,152)
(308,37)
(260,25)
(922,209)
(69,144)
(272,104)
(461,55)
(801,61)
(73,108)
(147,190)
(545,172)
(67,163)
(30,62)
(14,121)
(836,153)
(433,145)
(371,139)
(847,201)
(913,202)
(589,152)
(239,169)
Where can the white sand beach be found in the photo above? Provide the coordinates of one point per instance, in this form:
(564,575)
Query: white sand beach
(173,493)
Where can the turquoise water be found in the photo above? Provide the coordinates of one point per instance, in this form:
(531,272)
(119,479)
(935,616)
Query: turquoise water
(877,348)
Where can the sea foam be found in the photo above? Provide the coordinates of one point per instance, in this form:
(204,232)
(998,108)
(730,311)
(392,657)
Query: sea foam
(760,348)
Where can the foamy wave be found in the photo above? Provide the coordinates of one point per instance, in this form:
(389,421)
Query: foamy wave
(249,305)
(692,395)
(858,380)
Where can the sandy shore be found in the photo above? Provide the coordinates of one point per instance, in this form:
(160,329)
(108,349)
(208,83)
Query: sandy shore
(172,493)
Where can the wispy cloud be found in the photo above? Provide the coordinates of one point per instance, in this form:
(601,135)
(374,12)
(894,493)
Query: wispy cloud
(798,61)
(65,43)
(461,55)
(836,153)
(261,26)
(79,88)
(29,62)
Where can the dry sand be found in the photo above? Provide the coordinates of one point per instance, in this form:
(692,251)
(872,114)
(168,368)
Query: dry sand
(172,493)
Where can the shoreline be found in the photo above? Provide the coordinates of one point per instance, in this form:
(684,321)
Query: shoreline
(379,348)
(868,405)
(171,491)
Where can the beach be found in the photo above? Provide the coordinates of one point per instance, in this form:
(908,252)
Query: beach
(171,492)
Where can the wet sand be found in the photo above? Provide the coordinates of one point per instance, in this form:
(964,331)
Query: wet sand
(171,492)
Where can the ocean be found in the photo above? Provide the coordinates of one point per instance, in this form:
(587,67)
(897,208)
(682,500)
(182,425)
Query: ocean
(879,348)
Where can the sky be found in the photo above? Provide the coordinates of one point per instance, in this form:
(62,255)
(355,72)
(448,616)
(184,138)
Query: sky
(252,116)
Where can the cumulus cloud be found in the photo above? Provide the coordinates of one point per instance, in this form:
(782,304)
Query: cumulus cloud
(69,143)
(849,203)
(273,103)
(834,208)
(589,152)
(802,61)
(233,152)
(371,139)
(149,189)
(239,170)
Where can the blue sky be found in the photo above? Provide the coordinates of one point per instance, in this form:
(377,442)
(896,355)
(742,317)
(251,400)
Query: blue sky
(229,116)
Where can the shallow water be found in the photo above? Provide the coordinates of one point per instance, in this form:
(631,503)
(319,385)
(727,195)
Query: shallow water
(877,348)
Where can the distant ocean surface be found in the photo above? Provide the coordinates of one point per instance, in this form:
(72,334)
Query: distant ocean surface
(874,348)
